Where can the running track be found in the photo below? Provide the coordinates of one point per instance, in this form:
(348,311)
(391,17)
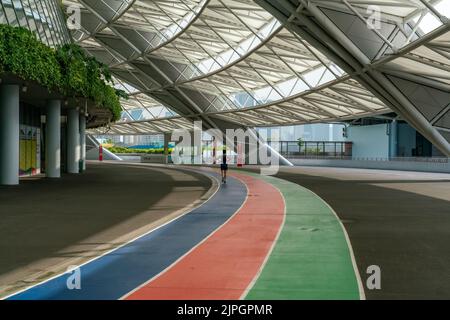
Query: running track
(256,238)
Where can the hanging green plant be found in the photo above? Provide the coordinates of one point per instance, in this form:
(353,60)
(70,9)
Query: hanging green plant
(67,70)
(23,55)
(87,77)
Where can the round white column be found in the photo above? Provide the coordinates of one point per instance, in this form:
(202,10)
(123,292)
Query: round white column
(53,139)
(73,141)
(9,134)
(167,137)
(83,142)
(393,142)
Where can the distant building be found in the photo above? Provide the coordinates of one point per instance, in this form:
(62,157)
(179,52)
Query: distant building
(308,132)
(156,141)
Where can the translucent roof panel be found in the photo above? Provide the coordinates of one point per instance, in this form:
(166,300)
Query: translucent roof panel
(233,60)
(44,18)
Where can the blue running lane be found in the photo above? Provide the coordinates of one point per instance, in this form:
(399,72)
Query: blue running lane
(119,272)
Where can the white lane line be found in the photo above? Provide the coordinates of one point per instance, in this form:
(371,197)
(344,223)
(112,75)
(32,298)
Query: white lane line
(257,275)
(193,248)
(122,245)
(362,295)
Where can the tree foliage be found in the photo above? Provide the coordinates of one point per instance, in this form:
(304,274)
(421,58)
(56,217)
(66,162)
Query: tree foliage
(123,150)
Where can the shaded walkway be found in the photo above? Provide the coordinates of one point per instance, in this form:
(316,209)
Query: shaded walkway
(399,221)
(118,272)
(47,225)
(223,266)
(255,238)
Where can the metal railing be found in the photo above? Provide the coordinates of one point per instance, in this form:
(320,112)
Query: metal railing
(294,149)
(376,159)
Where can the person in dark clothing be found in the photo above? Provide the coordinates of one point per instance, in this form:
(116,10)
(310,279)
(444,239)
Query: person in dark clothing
(224,167)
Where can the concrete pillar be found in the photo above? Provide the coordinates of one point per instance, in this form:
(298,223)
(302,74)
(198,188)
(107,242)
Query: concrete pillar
(9,134)
(393,139)
(83,142)
(53,139)
(214,150)
(197,143)
(196,148)
(167,137)
(73,141)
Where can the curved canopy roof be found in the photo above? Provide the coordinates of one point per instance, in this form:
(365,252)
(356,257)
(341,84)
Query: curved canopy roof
(231,61)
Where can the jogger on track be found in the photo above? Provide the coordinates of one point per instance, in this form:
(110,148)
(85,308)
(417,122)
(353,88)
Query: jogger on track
(224,167)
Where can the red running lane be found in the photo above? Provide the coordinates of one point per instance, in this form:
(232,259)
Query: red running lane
(222,267)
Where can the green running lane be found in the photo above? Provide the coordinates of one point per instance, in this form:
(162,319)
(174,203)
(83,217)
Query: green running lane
(311,259)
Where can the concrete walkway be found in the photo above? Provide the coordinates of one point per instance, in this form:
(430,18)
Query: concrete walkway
(255,238)
(397,220)
(48,225)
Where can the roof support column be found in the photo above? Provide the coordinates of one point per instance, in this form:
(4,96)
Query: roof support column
(264,148)
(53,139)
(393,139)
(197,143)
(83,143)
(9,134)
(73,141)
(167,137)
